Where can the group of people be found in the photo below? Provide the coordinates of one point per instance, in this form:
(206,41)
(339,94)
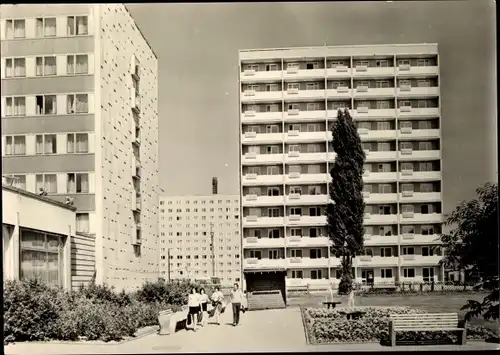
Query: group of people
(198,302)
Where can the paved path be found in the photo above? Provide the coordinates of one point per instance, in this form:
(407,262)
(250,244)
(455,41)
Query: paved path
(259,331)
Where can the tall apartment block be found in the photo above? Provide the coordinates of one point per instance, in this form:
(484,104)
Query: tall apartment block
(200,238)
(79,107)
(289,99)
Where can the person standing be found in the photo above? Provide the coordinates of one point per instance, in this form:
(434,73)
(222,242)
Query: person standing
(217,299)
(194,307)
(236,299)
(203,304)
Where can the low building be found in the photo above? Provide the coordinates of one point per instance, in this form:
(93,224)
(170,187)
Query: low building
(37,234)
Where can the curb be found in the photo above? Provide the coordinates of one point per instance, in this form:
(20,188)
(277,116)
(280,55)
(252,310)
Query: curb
(304,325)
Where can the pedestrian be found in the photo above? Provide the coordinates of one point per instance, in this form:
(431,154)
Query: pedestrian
(217,299)
(244,302)
(350,300)
(236,299)
(194,307)
(203,304)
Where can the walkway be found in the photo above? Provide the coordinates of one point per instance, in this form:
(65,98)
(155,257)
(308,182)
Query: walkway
(259,331)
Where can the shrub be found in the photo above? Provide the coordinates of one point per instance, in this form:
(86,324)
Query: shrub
(105,294)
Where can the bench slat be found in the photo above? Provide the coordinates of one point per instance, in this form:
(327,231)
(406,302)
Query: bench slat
(421,324)
(427,329)
(424,315)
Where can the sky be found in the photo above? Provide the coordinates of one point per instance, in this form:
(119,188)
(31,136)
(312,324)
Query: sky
(197,47)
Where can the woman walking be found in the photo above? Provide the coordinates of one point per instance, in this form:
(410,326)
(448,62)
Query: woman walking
(203,303)
(217,299)
(194,307)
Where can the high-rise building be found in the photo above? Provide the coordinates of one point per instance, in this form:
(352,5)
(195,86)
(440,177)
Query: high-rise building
(79,107)
(288,100)
(200,238)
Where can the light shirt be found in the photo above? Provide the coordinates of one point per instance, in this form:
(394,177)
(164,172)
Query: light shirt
(193,300)
(203,298)
(217,296)
(236,296)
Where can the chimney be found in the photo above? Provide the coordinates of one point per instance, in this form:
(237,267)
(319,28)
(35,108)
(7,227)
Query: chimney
(214,186)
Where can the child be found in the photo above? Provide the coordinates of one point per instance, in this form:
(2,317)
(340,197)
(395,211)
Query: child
(244,302)
(350,301)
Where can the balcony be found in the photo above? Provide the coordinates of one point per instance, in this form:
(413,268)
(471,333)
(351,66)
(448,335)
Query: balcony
(428,112)
(361,71)
(375,261)
(379,93)
(410,154)
(136,103)
(304,116)
(305,137)
(305,158)
(262,243)
(342,92)
(136,168)
(421,218)
(373,177)
(261,138)
(298,178)
(365,112)
(374,240)
(307,263)
(372,198)
(257,96)
(252,117)
(408,132)
(313,283)
(303,95)
(411,71)
(253,76)
(377,135)
(380,219)
(297,220)
(138,204)
(419,239)
(415,197)
(254,200)
(383,156)
(303,242)
(298,199)
(262,159)
(262,180)
(340,71)
(410,175)
(294,73)
(417,92)
(419,260)
(254,264)
(254,221)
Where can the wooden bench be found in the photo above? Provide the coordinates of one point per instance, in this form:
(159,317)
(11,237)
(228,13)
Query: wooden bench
(331,304)
(169,320)
(427,322)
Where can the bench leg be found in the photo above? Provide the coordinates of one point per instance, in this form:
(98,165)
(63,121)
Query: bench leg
(462,339)
(392,335)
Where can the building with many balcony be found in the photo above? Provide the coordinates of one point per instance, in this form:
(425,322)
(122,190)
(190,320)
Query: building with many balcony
(79,108)
(288,101)
(200,238)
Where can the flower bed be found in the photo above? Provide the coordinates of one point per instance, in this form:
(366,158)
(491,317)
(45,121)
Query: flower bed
(331,326)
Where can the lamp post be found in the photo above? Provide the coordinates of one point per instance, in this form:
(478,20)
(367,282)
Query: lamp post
(212,249)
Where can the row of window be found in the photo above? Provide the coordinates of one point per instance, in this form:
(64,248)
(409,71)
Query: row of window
(387,273)
(174,273)
(380,63)
(47,144)
(46,27)
(195,202)
(76,64)
(196,257)
(75,183)
(203,226)
(179,210)
(360,85)
(46,105)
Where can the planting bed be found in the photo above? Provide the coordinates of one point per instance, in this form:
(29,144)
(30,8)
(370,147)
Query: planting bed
(324,326)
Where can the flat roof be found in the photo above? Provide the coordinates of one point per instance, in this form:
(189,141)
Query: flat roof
(37,197)
(339,47)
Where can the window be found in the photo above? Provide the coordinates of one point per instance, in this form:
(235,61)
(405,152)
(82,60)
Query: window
(18,181)
(314,232)
(252,88)
(272,87)
(297,274)
(384,210)
(312,86)
(428,274)
(82,222)
(273,191)
(272,108)
(273,149)
(78,183)
(427,251)
(257,254)
(368,252)
(424,125)
(41,256)
(384,147)
(386,252)
(362,63)
(382,105)
(407,187)
(423,83)
(386,273)
(296,211)
(46,105)
(404,103)
(46,27)
(426,209)
(46,144)
(274,254)
(422,104)
(313,148)
(382,63)
(293,107)
(295,169)
(77,143)
(46,66)
(15,145)
(78,64)
(15,106)
(78,103)
(312,106)
(296,232)
(404,62)
(294,127)
(316,274)
(424,145)
(295,190)
(314,190)
(273,170)
(254,67)
(15,67)
(409,273)
(406,166)
(427,166)
(272,129)
(426,187)
(383,126)
(427,230)
(272,67)
(423,63)
(408,251)
(314,65)
(315,253)
(47,183)
(314,169)
(273,212)
(293,86)
(273,233)
(336,64)
(15,29)
(77,25)
(315,211)
(407,209)
(294,148)
(406,145)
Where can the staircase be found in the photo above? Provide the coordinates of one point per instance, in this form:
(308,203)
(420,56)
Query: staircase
(270,299)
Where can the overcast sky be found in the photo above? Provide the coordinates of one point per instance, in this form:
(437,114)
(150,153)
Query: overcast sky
(197,46)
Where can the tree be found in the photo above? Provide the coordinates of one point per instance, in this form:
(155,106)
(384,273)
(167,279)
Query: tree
(345,210)
(472,247)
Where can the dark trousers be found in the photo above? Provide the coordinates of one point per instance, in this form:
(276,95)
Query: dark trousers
(236,313)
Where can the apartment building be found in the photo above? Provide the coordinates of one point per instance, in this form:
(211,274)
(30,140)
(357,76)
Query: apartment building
(79,107)
(288,100)
(188,227)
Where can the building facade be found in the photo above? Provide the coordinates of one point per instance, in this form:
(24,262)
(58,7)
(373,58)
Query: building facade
(188,227)
(288,100)
(80,123)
